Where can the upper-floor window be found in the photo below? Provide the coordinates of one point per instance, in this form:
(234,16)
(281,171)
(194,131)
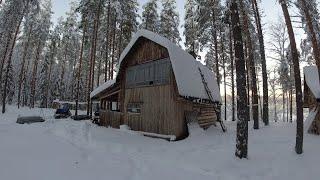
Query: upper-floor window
(148,74)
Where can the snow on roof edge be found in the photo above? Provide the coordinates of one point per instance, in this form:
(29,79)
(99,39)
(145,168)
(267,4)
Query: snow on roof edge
(102,87)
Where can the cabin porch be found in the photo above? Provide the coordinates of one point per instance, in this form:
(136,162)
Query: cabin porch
(110,114)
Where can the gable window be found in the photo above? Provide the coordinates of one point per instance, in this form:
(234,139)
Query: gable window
(148,74)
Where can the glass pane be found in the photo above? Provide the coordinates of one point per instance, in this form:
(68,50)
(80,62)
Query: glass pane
(149,74)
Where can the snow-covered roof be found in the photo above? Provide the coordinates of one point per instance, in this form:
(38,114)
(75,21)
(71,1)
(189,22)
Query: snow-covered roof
(311,75)
(102,87)
(185,68)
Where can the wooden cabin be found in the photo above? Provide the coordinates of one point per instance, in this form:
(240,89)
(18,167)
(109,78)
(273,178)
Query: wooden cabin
(158,89)
(311,99)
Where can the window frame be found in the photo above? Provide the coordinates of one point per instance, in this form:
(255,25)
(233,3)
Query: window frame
(134,105)
(154,73)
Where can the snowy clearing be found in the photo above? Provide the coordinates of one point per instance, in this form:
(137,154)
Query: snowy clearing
(67,150)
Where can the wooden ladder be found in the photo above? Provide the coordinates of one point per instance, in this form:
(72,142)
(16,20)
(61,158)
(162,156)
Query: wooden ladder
(208,91)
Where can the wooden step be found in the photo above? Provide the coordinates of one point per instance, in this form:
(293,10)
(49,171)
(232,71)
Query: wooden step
(206,117)
(202,105)
(208,113)
(206,124)
(206,120)
(207,109)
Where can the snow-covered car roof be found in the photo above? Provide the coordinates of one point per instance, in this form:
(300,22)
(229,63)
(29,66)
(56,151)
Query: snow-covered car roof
(185,68)
(311,76)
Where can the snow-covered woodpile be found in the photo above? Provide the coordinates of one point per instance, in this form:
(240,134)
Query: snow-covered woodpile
(312,98)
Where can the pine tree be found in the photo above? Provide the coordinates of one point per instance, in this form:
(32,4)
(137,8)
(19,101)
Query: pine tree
(191,28)
(128,22)
(311,18)
(297,77)
(209,17)
(42,28)
(26,38)
(251,63)
(242,108)
(169,21)
(84,31)
(257,17)
(150,16)
(47,68)
(21,9)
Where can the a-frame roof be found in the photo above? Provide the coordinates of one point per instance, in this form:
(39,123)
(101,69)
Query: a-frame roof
(185,68)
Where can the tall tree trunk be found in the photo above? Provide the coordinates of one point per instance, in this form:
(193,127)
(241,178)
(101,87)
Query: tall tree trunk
(283,105)
(24,89)
(297,77)
(242,108)
(80,63)
(265,110)
(4,96)
(25,52)
(99,69)
(3,60)
(120,43)
(252,69)
(275,106)
(106,71)
(93,57)
(34,75)
(49,80)
(248,84)
(215,39)
(291,105)
(287,94)
(113,46)
(232,74)
(224,73)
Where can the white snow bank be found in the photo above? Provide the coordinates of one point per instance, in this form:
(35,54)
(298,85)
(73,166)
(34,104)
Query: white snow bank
(68,150)
(102,87)
(185,68)
(311,75)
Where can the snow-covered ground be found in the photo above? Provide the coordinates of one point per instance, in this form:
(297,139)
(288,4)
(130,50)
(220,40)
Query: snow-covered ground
(70,150)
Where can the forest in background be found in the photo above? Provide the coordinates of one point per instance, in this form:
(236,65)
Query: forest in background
(41,62)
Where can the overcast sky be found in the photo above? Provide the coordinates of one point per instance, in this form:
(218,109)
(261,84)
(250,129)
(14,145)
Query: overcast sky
(271,12)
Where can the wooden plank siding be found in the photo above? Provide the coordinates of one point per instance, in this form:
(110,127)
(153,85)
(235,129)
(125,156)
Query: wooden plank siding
(161,112)
(110,118)
(162,109)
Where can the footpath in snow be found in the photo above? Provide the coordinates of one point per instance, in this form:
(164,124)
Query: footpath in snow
(70,150)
